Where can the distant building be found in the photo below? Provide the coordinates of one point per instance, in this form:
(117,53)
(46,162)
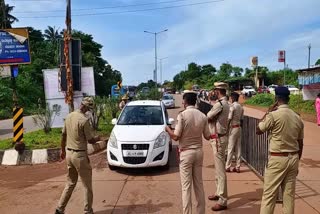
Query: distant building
(309,79)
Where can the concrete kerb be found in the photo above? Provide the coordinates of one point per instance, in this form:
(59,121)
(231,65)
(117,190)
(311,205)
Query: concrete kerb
(40,156)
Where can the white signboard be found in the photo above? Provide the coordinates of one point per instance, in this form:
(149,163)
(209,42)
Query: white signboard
(56,97)
(5,71)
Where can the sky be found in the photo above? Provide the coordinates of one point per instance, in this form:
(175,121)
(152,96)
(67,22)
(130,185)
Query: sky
(200,31)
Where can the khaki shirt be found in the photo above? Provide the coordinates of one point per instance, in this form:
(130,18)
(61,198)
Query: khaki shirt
(78,130)
(122,104)
(191,125)
(235,114)
(285,128)
(219,116)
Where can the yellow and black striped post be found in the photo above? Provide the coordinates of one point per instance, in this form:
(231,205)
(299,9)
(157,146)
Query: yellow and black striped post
(18,125)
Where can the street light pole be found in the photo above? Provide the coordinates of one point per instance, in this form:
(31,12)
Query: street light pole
(309,47)
(161,68)
(155,53)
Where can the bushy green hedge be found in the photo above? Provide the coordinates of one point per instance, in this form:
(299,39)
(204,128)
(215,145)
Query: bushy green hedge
(261,100)
(296,102)
(299,105)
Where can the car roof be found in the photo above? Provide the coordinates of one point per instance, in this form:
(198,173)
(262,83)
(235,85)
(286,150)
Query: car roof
(144,103)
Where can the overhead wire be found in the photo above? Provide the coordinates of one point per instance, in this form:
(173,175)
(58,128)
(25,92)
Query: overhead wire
(107,7)
(127,11)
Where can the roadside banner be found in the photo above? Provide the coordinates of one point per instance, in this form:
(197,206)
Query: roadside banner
(254,61)
(14,46)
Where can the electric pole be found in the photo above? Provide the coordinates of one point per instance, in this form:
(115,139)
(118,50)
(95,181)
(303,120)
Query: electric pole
(309,47)
(68,57)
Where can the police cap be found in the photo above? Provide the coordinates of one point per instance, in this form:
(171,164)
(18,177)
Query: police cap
(282,91)
(88,102)
(220,85)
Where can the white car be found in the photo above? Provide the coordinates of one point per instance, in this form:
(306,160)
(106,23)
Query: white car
(248,90)
(272,88)
(138,138)
(293,89)
(168,101)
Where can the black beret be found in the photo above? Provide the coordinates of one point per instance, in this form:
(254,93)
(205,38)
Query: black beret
(282,91)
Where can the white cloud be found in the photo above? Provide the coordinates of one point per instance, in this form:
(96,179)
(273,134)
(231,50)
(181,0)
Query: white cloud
(215,28)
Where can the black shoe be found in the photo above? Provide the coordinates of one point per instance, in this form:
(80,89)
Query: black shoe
(58,212)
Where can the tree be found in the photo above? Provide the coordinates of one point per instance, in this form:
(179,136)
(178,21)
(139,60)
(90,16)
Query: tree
(318,62)
(225,71)
(237,71)
(52,34)
(10,19)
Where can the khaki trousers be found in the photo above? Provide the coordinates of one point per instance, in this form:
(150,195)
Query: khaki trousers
(220,163)
(78,165)
(191,173)
(234,147)
(280,171)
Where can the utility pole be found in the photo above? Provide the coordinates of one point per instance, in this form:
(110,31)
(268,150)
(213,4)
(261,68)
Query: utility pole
(155,74)
(309,47)
(68,57)
(161,68)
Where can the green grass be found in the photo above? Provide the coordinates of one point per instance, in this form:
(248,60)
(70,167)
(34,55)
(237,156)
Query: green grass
(296,102)
(37,140)
(40,140)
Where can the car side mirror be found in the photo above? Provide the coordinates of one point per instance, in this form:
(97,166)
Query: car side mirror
(114,121)
(171,121)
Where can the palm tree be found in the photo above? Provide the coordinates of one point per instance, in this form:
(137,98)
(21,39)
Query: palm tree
(10,19)
(52,34)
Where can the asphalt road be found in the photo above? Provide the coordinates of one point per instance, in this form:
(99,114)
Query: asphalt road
(6,127)
(36,189)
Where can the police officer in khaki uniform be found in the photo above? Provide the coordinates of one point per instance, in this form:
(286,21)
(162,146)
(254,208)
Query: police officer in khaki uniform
(234,143)
(218,124)
(285,129)
(191,126)
(76,133)
(123,102)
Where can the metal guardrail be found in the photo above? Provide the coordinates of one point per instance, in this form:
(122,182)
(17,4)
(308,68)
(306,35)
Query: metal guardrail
(254,148)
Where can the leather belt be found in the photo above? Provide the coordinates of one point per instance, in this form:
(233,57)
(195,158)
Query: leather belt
(282,154)
(235,126)
(216,136)
(75,150)
(182,150)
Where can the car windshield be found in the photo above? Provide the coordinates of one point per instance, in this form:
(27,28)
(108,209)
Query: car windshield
(167,97)
(248,87)
(141,115)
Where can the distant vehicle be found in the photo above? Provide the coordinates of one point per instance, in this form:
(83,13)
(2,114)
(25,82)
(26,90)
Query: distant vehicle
(248,90)
(195,88)
(293,89)
(132,91)
(272,88)
(263,89)
(168,101)
(139,139)
(145,90)
(169,91)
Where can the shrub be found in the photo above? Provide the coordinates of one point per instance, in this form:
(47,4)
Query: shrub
(299,105)
(296,102)
(261,100)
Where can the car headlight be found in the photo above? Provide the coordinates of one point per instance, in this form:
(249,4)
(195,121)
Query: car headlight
(161,140)
(113,141)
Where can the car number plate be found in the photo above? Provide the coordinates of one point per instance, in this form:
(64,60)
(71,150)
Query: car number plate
(135,153)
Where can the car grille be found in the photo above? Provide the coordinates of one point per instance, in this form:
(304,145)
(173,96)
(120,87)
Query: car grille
(134,160)
(138,146)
